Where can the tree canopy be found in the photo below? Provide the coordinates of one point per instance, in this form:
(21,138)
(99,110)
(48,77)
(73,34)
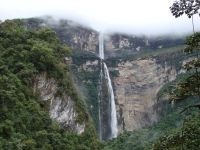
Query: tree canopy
(187,136)
(24,119)
(188,7)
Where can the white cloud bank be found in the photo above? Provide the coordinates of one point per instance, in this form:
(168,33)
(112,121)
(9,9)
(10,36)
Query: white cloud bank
(130,16)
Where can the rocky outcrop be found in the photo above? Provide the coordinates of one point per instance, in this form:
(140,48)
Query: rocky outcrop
(122,42)
(136,88)
(122,45)
(75,35)
(136,43)
(62,107)
(90,65)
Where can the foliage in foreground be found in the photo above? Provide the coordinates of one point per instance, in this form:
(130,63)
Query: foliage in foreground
(24,120)
(144,139)
(186,137)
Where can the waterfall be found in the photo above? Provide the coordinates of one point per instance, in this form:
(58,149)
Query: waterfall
(112,113)
(101,46)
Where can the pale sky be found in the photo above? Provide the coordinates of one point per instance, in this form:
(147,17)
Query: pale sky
(130,16)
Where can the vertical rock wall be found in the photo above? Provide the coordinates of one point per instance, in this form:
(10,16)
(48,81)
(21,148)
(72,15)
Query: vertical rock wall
(62,108)
(135,91)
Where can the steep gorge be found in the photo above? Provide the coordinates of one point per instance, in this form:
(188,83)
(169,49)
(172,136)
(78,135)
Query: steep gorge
(139,67)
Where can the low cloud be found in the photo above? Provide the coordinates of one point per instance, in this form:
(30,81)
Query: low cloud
(129,16)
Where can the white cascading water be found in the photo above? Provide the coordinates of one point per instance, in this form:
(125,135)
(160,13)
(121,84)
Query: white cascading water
(101,46)
(114,129)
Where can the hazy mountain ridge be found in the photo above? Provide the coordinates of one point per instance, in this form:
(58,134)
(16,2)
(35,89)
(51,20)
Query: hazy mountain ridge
(81,37)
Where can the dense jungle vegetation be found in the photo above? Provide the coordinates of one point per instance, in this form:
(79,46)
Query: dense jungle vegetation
(24,119)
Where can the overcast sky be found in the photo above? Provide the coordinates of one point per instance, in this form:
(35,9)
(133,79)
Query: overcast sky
(131,16)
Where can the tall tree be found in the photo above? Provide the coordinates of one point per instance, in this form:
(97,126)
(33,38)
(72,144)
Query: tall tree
(186,137)
(191,85)
(188,7)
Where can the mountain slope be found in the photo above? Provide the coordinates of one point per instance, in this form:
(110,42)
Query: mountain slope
(25,56)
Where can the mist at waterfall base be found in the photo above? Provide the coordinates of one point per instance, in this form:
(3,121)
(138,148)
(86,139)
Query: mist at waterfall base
(107,109)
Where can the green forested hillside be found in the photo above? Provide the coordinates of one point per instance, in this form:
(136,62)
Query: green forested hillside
(167,134)
(87,81)
(24,120)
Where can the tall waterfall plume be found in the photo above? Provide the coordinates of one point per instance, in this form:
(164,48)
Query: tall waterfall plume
(107,122)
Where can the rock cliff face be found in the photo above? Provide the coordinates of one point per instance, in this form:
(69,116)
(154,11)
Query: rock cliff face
(137,43)
(136,81)
(77,37)
(136,84)
(136,88)
(62,107)
(122,44)
(73,34)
